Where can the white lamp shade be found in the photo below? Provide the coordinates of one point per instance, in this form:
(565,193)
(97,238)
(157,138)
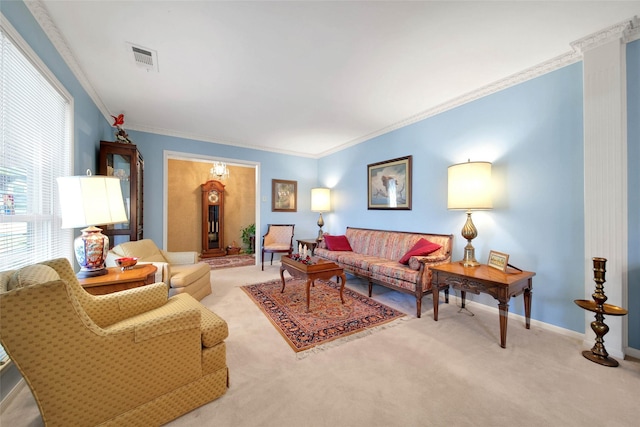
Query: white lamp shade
(90,200)
(320,200)
(470,186)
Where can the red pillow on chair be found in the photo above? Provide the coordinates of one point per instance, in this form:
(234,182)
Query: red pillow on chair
(337,243)
(421,248)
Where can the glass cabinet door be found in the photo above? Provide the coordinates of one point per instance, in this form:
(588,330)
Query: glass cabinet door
(124,161)
(119,165)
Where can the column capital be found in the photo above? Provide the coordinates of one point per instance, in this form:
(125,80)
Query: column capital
(624,31)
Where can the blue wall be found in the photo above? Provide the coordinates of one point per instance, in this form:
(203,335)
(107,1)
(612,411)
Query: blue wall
(531,132)
(633,135)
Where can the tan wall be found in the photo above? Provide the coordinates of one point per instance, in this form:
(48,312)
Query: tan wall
(185,204)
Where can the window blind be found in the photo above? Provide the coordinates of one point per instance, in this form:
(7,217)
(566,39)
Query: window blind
(36,147)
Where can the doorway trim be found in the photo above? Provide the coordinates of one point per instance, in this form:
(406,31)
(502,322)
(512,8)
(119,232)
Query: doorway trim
(193,157)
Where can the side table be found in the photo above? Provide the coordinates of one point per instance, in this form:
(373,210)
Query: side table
(117,280)
(309,243)
(484,279)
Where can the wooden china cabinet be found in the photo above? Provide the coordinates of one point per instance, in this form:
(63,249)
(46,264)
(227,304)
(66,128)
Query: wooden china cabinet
(125,162)
(213,219)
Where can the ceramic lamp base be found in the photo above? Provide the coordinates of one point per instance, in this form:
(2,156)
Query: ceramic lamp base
(91,249)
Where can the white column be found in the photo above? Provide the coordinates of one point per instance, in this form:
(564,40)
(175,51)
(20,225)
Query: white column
(605,177)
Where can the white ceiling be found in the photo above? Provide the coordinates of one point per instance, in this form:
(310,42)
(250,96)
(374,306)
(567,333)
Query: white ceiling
(308,77)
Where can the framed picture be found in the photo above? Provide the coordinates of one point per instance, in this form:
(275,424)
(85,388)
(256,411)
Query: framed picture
(498,260)
(389,184)
(284,195)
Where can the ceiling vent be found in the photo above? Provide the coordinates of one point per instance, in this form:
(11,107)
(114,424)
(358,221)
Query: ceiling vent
(144,57)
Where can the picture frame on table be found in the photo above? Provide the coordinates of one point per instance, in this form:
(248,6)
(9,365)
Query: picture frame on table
(498,260)
(284,195)
(389,184)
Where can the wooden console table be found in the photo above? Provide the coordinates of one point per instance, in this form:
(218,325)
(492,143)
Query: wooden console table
(117,280)
(483,279)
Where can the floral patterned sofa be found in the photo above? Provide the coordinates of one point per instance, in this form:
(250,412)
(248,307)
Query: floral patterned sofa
(375,256)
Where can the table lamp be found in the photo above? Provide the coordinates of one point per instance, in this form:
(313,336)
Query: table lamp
(320,202)
(470,189)
(86,201)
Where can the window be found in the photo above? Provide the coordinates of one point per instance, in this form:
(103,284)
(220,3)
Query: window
(36,147)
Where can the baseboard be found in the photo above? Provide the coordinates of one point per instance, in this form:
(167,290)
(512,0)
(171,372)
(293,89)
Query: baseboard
(632,352)
(586,341)
(534,322)
(4,403)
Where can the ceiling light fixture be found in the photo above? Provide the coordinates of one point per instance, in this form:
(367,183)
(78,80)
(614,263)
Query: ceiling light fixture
(219,171)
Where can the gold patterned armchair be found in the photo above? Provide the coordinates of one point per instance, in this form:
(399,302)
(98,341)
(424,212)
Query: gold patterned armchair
(279,238)
(134,358)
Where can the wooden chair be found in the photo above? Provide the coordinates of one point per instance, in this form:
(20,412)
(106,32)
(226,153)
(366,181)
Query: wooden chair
(279,238)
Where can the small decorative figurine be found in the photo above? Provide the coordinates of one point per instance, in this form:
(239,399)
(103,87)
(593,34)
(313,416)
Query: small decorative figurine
(121,134)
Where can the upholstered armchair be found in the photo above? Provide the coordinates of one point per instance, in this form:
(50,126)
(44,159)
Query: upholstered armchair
(134,358)
(181,271)
(279,238)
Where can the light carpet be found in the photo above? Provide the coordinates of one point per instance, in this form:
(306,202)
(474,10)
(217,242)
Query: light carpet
(327,320)
(419,373)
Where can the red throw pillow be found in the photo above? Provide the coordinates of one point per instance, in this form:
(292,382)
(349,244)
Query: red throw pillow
(337,243)
(421,248)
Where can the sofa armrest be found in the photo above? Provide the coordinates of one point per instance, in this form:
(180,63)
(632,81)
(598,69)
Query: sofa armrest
(115,307)
(417,262)
(163,272)
(187,257)
(433,259)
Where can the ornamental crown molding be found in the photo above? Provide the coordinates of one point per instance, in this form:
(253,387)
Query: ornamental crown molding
(497,86)
(41,14)
(625,31)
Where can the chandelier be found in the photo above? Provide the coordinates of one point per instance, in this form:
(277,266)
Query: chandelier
(219,171)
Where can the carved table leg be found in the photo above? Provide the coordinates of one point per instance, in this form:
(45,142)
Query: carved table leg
(308,293)
(463,296)
(435,294)
(527,306)
(282,277)
(503,307)
(343,280)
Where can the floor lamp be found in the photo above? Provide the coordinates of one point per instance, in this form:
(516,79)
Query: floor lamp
(320,202)
(470,189)
(86,201)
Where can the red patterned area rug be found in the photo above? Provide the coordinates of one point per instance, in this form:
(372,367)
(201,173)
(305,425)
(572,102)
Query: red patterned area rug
(229,261)
(328,319)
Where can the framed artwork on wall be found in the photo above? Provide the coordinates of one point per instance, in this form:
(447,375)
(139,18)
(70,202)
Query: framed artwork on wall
(284,195)
(389,184)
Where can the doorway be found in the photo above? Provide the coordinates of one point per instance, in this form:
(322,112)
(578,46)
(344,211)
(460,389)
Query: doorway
(183,175)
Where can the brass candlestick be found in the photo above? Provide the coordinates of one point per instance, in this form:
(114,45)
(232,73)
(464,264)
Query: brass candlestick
(598,353)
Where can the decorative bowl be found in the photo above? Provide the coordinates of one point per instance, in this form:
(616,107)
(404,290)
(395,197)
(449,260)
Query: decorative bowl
(126,263)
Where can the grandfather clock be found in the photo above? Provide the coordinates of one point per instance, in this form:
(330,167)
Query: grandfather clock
(213,219)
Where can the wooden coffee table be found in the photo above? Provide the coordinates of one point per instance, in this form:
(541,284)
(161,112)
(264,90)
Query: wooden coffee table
(320,269)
